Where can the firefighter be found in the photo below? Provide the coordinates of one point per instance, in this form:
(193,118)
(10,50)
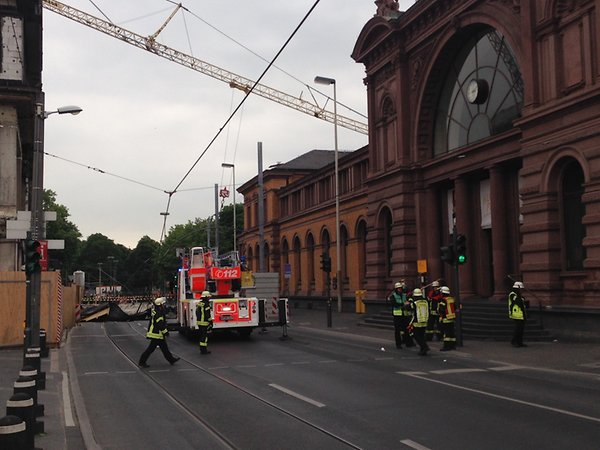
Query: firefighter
(447,315)
(433,297)
(401,313)
(420,317)
(204,321)
(517,311)
(157,331)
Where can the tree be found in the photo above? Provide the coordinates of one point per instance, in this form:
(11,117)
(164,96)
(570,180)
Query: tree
(64,229)
(94,260)
(141,266)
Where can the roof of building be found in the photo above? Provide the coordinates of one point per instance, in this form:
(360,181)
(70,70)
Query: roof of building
(312,160)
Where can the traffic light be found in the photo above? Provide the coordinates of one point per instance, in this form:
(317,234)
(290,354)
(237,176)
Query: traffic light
(325,262)
(32,257)
(447,254)
(461,248)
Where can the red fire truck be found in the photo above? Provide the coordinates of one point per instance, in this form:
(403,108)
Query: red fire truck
(202,270)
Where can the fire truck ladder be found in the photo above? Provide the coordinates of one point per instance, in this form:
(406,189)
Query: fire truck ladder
(235,81)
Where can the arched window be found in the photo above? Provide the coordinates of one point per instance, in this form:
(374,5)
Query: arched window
(573,211)
(310,248)
(343,254)
(482,93)
(297,264)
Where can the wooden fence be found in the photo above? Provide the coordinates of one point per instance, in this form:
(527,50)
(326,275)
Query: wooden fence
(57,307)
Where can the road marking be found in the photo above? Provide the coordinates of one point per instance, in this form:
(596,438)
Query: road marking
(383,359)
(328,361)
(159,370)
(449,371)
(249,366)
(301,362)
(69,421)
(502,397)
(125,371)
(298,396)
(95,373)
(274,364)
(506,367)
(410,374)
(413,444)
(594,365)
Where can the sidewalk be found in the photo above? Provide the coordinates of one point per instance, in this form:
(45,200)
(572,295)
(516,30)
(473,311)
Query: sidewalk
(554,356)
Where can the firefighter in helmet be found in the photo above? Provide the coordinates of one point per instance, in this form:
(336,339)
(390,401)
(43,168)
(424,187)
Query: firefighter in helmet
(517,311)
(157,331)
(447,315)
(204,321)
(433,297)
(402,314)
(420,316)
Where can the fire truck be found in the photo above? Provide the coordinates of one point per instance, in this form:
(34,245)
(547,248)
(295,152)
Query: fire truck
(202,270)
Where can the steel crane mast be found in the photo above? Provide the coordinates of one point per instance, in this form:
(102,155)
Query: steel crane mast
(235,81)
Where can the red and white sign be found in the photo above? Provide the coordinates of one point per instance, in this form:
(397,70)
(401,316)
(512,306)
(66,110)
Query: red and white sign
(224,193)
(43,251)
(225,273)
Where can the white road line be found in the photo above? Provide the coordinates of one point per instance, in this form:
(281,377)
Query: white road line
(159,370)
(410,374)
(328,361)
(125,371)
(505,368)
(95,373)
(274,364)
(413,444)
(502,397)
(249,366)
(69,421)
(298,396)
(449,371)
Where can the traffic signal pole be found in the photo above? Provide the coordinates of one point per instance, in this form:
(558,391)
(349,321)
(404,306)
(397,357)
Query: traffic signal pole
(455,264)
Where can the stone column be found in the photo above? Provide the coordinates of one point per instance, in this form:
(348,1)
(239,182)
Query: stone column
(499,230)
(464,215)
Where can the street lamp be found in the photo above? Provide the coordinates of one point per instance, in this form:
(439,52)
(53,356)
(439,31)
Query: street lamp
(329,81)
(232,167)
(32,313)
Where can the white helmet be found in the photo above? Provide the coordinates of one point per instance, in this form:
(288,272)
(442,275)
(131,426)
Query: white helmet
(398,285)
(417,292)
(445,290)
(436,283)
(205,294)
(518,284)
(160,301)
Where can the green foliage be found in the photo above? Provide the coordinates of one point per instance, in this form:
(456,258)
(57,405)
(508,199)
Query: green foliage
(64,229)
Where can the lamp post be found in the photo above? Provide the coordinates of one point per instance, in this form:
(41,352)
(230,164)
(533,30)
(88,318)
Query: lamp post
(232,166)
(32,314)
(329,81)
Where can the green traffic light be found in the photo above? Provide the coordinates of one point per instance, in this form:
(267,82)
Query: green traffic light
(462,259)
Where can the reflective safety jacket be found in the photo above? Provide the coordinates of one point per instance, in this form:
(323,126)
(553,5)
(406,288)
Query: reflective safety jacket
(516,306)
(400,306)
(434,297)
(420,309)
(157,327)
(203,313)
(447,309)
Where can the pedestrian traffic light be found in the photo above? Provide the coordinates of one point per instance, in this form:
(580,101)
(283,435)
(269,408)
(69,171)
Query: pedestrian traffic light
(447,254)
(461,248)
(325,262)
(32,256)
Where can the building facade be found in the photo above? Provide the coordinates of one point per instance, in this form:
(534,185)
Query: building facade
(484,120)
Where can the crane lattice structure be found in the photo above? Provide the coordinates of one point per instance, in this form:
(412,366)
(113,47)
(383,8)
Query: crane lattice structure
(150,44)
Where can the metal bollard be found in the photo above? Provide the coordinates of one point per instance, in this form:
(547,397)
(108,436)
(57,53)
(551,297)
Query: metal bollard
(32,359)
(44,351)
(27,385)
(13,433)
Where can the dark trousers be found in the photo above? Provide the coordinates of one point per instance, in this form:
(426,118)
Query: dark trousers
(401,333)
(432,327)
(449,335)
(203,334)
(518,334)
(162,343)
(419,333)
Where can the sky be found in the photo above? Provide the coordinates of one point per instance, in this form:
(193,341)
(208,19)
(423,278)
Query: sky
(147,120)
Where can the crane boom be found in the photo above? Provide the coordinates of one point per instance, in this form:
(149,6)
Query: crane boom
(234,81)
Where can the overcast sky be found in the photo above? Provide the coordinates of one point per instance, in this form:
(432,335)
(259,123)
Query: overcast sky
(148,119)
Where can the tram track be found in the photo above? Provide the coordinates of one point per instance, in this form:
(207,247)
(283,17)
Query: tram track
(221,438)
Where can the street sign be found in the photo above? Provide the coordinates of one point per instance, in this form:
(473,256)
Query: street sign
(224,193)
(287,270)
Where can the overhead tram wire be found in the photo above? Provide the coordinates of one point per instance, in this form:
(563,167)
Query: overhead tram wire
(247,94)
(104,172)
(310,88)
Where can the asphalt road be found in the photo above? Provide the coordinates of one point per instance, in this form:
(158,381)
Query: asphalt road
(319,390)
